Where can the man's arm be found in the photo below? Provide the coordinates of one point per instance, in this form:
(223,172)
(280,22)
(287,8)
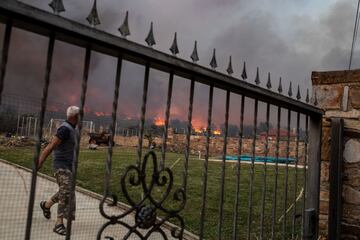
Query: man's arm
(48,149)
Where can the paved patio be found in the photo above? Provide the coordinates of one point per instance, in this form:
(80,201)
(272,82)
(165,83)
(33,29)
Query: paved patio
(15,187)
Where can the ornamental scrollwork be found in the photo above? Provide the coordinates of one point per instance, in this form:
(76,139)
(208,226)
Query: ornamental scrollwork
(150,212)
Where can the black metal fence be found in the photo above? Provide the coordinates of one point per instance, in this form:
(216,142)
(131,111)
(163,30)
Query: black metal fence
(282,200)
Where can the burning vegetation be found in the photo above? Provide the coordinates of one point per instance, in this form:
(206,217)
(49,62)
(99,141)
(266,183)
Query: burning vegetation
(158,121)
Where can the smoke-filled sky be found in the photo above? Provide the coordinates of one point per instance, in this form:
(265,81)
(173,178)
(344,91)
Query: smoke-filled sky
(287,38)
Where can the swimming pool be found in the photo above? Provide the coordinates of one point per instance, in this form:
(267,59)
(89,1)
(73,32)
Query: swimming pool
(248,158)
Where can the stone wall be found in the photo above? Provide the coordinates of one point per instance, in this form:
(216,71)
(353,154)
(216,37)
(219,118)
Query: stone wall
(338,93)
(177,143)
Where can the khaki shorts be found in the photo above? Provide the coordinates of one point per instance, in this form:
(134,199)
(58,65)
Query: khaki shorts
(62,197)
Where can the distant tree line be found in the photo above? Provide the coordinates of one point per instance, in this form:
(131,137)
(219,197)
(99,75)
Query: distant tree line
(8,120)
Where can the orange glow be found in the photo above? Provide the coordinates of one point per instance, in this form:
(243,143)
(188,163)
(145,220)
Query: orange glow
(198,123)
(217,132)
(73,98)
(101,114)
(159,121)
(199,129)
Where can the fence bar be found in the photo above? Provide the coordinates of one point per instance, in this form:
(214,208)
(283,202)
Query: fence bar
(305,174)
(51,125)
(18,125)
(167,116)
(238,168)
(35,127)
(315,135)
(78,137)
(251,179)
(310,224)
(221,207)
(22,126)
(265,172)
(112,132)
(205,170)
(26,126)
(188,134)
(5,53)
(335,172)
(143,112)
(39,136)
(273,215)
(286,175)
(30,124)
(296,175)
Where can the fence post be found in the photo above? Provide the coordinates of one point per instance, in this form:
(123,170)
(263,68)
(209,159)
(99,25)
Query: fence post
(35,127)
(18,125)
(313,178)
(335,178)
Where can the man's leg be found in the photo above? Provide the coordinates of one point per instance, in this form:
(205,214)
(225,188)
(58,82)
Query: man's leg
(54,199)
(46,205)
(64,181)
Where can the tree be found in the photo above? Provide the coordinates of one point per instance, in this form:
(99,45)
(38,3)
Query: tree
(262,127)
(233,130)
(8,119)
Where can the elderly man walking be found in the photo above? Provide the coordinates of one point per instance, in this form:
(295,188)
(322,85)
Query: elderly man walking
(62,145)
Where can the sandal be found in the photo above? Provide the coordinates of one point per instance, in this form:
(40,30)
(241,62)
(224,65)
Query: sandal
(60,229)
(46,211)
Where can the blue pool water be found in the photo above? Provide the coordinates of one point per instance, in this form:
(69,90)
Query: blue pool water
(247,158)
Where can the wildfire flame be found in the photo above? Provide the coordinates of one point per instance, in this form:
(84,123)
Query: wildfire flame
(202,130)
(101,114)
(158,121)
(199,129)
(217,132)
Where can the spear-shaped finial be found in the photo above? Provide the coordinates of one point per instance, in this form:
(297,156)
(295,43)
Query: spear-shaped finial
(124,28)
(57,6)
(298,95)
(290,93)
(307,100)
(194,55)
(150,40)
(315,98)
(213,62)
(280,86)
(244,74)
(268,84)
(93,17)
(257,78)
(230,68)
(174,47)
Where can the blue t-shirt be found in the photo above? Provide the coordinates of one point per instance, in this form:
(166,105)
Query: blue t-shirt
(63,154)
(63,133)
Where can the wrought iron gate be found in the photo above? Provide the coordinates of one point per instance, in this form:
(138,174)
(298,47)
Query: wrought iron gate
(146,211)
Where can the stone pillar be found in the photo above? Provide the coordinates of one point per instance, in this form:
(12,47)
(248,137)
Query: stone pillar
(338,94)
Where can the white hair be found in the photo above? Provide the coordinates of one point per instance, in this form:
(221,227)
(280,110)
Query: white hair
(72,111)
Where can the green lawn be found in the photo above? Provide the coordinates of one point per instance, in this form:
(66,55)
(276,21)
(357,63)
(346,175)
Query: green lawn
(91,176)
